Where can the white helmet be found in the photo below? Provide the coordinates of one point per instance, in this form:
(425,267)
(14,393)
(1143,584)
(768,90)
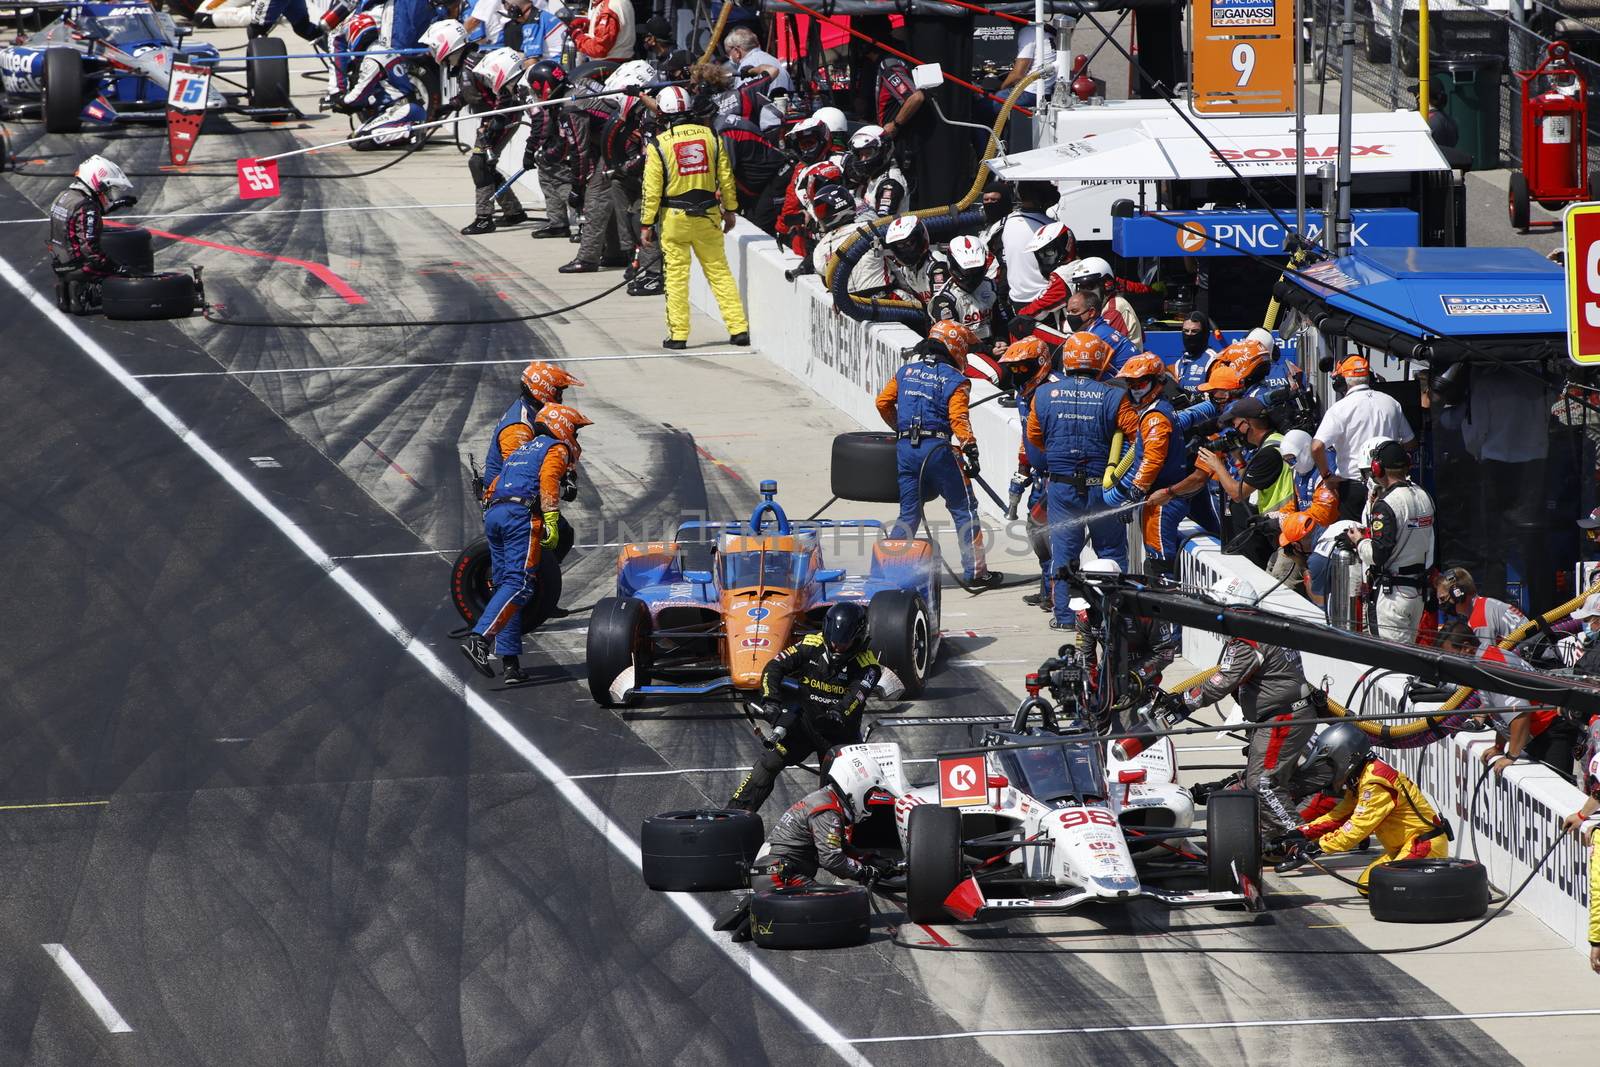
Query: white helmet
(1263,337)
(103,177)
(1090,268)
(444,39)
(865,136)
(968,253)
(1094,566)
(1234,591)
(852,777)
(1295,448)
(1053,245)
(834,119)
(499,68)
(1369,452)
(674,100)
(631,74)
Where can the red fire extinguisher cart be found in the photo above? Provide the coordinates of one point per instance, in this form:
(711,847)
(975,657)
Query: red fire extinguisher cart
(1555,140)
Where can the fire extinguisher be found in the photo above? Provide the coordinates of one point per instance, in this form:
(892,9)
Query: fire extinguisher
(1552,139)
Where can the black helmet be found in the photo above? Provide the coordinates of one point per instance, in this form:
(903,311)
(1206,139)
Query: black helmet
(844,630)
(833,206)
(677,65)
(546,78)
(1339,752)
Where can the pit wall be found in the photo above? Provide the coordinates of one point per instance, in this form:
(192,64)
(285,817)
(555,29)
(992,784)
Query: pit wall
(1514,818)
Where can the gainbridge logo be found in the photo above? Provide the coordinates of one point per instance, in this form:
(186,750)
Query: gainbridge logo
(1191,236)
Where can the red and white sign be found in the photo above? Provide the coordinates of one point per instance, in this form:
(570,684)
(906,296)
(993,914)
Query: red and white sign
(693,157)
(187,94)
(258,180)
(962,781)
(1583,283)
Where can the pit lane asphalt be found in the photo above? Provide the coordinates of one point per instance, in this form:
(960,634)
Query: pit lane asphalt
(310,854)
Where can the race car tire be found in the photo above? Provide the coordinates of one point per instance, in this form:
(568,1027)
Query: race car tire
(471,580)
(267,72)
(1517,202)
(1233,835)
(863,468)
(1428,891)
(130,248)
(700,851)
(818,916)
(166,295)
(619,637)
(902,636)
(933,862)
(63,91)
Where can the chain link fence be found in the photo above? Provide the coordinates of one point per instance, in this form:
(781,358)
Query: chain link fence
(1473,48)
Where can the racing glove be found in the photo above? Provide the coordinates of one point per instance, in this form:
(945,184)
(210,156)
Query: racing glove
(569,486)
(1119,495)
(552,529)
(1298,852)
(969,459)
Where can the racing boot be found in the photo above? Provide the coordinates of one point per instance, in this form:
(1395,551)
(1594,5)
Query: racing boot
(480,225)
(647,285)
(1039,600)
(511,672)
(980,582)
(514,218)
(672,344)
(476,649)
(550,232)
(741,339)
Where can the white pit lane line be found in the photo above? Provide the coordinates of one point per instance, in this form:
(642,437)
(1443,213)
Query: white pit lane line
(355,367)
(97,1001)
(744,958)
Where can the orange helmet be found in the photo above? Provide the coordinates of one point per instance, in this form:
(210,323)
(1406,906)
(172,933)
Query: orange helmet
(1221,376)
(1085,351)
(1245,357)
(545,382)
(562,422)
(1353,367)
(1144,365)
(1296,525)
(958,339)
(1027,359)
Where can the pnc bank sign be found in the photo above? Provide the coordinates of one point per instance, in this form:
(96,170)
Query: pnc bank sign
(1236,233)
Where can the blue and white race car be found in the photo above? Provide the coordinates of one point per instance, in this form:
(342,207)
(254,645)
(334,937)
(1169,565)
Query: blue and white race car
(111,62)
(705,612)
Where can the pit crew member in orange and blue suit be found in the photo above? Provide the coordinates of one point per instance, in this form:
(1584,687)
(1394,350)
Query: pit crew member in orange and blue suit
(522,518)
(1157,461)
(542,383)
(925,403)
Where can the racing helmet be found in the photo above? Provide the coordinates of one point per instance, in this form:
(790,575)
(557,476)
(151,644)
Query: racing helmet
(950,340)
(561,422)
(1234,591)
(969,261)
(1223,380)
(834,119)
(907,240)
(1295,527)
(675,103)
(808,140)
(105,179)
(1085,352)
(1094,566)
(547,78)
(546,382)
(337,12)
(361,32)
(1295,448)
(1091,271)
(1053,245)
(443,40)
(631,75)
(832,206)
(852,779)
(1339,752)
(869,154)
(1024,363)
(1143,374)
(814,176)
(844,630)
(1248,360)
(499,69)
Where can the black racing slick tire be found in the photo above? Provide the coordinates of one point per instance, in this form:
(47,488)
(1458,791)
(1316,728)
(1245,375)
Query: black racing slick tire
(129,248)
(1428,891)
(863,468)
(1233,840)
(819,916)
(166,295)
(619,637)
(933,862)
(472,580)
(267,72)
(63,91)
(700,851)
(901,633)
(1517,207)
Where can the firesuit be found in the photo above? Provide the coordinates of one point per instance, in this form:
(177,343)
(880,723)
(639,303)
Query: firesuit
(523,501)
(542,384)
(606,31)
(1032,467)
(622,147)
(925,403)
(1268,684)
(810,836)
(1398,553)
(1072,419)
(758,169)
(76,223)
(265,14)
(824,713)
(607,235)
(554,147)
(1157,464)
(494,132)
(686,173)
(1387,805)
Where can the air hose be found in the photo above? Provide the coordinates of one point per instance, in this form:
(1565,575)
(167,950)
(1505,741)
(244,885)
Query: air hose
(367,324)
(1270,320)
(939,220)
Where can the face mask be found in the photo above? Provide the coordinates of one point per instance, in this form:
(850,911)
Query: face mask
(1194,343)
(1341,386)
(1076,322)
(994,210)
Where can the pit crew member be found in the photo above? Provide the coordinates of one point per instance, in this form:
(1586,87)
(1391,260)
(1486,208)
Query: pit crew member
(542,383)
(77,215)
(1157,460)
(491,83)
(968,297)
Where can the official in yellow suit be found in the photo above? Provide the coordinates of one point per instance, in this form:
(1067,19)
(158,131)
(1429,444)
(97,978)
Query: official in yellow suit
(1579,823)
(686,173)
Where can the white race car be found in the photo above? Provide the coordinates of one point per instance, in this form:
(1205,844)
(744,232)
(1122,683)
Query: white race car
(1056,821)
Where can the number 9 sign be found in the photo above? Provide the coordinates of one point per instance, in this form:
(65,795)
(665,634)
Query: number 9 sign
(1242,57)
(258,179)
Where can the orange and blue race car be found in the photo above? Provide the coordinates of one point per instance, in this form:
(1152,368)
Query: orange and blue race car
(705,612)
